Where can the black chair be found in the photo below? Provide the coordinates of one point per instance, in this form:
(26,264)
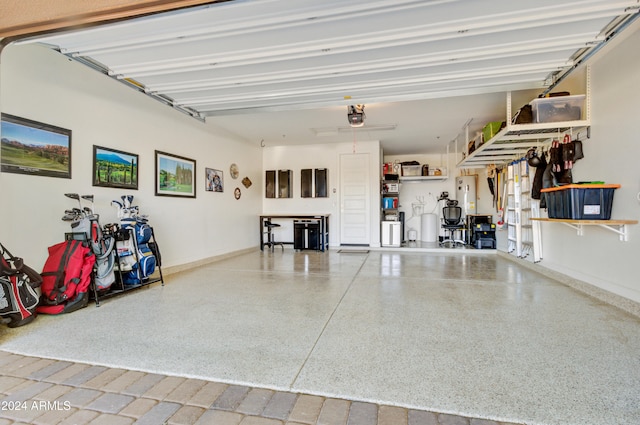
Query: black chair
(452,222)
(270,242)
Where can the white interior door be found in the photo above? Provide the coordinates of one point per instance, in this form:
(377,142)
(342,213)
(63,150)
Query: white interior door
(355,203)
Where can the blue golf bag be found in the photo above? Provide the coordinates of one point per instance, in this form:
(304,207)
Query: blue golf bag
(138,253)
(135,250)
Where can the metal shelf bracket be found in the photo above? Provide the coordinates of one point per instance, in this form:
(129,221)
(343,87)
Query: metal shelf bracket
(619,227)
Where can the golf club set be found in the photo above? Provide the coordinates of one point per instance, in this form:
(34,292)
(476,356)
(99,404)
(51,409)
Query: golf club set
(126,211)
(138,253)
(130,240)
(86,223)
(75,214)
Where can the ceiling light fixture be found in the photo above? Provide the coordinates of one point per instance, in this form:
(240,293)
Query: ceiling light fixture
(356,116)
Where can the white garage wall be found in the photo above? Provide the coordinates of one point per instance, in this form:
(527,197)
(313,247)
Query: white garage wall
(299,157)
(41,85)
(611,155)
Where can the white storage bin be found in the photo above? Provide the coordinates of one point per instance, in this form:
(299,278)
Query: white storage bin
(557,109)
(412,170)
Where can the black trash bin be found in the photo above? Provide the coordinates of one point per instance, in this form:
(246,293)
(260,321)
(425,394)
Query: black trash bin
(306,234)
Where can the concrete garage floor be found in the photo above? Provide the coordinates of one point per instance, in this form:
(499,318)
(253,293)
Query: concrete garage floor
(465,334)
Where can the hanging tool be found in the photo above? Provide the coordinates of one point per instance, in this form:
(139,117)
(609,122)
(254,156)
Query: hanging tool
(568,152)
(501,216)
(555,156)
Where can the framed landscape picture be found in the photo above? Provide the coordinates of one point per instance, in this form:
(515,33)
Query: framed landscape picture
(175,175)
(114,168)
(31,147)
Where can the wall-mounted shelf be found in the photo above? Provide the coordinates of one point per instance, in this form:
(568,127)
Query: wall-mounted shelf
(617,226)
(514,140)
(413,179)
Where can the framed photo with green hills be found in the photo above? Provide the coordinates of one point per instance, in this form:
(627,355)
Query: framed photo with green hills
(114,168)
(35,148)
(175,175)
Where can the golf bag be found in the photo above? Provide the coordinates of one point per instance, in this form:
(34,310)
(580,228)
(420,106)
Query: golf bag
(18,296)
(85,222)
(66,278)
(134,250)
(102,246)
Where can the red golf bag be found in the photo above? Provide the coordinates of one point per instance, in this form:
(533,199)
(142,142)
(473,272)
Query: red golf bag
(66,277)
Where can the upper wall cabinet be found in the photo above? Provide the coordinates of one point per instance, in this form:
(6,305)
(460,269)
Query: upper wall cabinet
(321,175)
(284,184)
(306,183)
(313,183)
(278,184)
(270,184)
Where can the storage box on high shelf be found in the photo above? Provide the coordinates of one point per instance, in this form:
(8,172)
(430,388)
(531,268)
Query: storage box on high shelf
(491,129)
(580,201)
(556,109)
(411,170)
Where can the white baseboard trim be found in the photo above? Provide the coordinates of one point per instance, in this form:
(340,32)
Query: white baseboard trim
(630,306)
(167,271)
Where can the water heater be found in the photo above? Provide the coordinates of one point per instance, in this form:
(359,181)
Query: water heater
(466,194)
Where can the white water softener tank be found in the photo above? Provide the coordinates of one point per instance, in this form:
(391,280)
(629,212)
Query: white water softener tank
(466,194)
(428,227)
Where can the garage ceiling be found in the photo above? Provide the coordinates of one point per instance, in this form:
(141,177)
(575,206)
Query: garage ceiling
(289,69)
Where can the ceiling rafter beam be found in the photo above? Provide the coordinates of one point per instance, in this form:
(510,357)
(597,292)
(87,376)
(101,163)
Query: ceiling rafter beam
(494,52)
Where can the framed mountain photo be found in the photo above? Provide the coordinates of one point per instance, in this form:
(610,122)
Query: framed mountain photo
(35,148)
(114,168)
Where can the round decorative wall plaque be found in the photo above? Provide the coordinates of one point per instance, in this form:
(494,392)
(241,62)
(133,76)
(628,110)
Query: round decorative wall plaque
(233,170)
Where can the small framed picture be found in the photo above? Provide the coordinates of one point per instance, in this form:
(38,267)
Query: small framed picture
(32,147)
(113,168)
(214,181)
(175,175)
